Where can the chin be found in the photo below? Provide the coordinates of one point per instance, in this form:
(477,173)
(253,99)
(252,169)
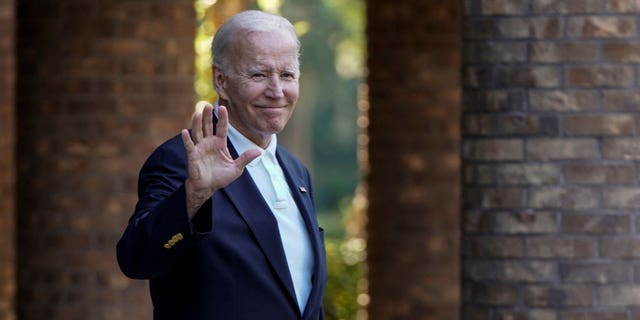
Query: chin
(273,129)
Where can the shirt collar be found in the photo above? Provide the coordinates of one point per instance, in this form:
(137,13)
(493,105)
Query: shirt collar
(242,144)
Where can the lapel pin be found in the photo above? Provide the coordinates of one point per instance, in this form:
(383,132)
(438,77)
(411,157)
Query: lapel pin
(302,189)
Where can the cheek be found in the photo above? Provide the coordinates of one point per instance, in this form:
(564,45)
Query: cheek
(253,91)
(292,93)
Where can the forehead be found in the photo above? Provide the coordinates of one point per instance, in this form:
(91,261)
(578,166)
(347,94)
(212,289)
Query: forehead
(265,47)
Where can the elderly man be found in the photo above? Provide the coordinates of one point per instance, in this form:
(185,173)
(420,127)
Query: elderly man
(225,225)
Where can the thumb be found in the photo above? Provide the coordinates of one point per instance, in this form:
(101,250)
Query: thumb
(247,156)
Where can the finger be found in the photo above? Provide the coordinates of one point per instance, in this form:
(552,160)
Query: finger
(246,157)
(196,127)
(186,140)
(223,122)
(207,120)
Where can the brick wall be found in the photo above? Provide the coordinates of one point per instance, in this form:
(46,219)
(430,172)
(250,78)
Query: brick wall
(101,83)
(7,161)
(550,131)
(413,182)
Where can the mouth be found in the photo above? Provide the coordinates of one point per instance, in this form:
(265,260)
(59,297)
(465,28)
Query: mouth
(270,107)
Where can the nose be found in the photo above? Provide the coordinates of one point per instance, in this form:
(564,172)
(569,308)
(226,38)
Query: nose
(274,88)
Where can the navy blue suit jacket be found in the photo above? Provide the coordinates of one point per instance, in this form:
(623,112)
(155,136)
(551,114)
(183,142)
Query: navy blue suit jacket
(227,262)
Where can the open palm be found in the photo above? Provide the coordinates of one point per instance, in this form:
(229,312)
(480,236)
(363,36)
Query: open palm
(210,165)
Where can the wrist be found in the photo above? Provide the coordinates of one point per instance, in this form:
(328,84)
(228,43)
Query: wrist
(195,197)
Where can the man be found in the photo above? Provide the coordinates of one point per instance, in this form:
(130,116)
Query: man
(225,225)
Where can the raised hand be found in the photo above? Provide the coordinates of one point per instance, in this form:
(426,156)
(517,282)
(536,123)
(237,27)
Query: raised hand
(209,162)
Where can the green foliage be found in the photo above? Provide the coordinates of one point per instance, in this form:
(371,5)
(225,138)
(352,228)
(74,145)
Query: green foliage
(345,294)
(202,45)
(346,268)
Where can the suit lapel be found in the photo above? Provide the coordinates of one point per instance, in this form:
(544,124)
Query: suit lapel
(250,204)
(301,194)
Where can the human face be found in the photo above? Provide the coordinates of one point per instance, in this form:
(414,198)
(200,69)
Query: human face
(261,88)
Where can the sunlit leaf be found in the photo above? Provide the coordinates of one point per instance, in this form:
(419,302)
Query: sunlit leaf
(272,6)
(302,27)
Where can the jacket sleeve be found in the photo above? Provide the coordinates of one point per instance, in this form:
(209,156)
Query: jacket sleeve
(160,231)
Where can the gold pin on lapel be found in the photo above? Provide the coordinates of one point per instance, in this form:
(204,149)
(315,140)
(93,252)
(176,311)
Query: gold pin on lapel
(302,189)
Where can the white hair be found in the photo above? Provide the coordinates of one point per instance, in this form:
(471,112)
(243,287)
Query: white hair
(243,22)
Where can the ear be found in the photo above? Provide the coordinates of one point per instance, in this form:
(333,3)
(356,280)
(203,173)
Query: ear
(219,82)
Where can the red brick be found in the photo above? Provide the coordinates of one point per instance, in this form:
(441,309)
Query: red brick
(620,247)
(537,314)
(478,77)
(390,248)
(535,77)
(480,270)
(497,247)
(479,124)
(593,315)
(494,100)
(566,6)
(507,7)
(501,52)
(527,222)
(476,222)
(528,174)
(623,6)
(527,28)
(515,124)
(564,52)
(558,149)
(480,28)
(601,27)
(595,272)
(496,198)
(475,312)
(559,296)
(596,224)
(480,174)
(622,52)
(553,247)
(8,205)
(505,149)
(545,198)
(618,295)
(597,174)
(525,271)
(573,104)
(562,101)
(600,76)
(621,197)
(621,148)
(88,110)
(615,100)
(495,294)
(599,125)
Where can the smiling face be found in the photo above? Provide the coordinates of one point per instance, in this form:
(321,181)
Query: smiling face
(260,87)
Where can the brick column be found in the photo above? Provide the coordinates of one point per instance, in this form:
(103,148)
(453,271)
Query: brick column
(413,180)
(7,161)
(101,83)
(550,155)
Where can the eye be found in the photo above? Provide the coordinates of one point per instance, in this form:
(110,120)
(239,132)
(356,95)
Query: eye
(258,76)
(288,76)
